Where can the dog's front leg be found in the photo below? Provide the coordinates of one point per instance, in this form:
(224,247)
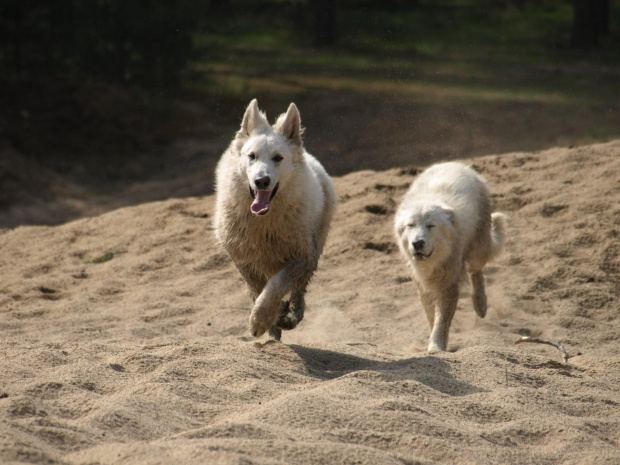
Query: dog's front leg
(295,275)
(446,307)
(428,304)
(256,283)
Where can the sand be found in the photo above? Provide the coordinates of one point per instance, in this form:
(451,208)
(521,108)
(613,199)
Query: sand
(123,337)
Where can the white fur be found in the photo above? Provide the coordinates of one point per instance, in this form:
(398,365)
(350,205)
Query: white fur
(444,229)
(277,252)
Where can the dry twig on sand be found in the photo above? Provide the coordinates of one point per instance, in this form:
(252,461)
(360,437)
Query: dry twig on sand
(539,340)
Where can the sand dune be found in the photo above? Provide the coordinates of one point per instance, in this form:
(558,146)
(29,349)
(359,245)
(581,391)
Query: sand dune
(123,337)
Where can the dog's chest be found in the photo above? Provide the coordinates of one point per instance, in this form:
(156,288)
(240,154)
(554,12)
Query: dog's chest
(267,243)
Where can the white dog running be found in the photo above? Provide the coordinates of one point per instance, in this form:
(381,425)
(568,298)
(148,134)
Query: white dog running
(275,203)
(444,229)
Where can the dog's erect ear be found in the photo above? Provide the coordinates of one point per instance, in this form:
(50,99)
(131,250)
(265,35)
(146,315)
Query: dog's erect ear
(253,119)
(289,125)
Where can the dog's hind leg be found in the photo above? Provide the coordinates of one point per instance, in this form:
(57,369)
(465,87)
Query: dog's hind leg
(446,307)
(275,333)
(478,296)
(292,314)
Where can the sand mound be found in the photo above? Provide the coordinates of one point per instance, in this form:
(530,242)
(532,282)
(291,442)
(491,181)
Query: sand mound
(124,336)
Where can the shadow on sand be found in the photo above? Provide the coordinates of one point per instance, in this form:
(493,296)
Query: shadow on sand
(428,370)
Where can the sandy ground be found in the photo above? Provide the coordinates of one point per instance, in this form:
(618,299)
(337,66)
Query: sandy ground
(123,337)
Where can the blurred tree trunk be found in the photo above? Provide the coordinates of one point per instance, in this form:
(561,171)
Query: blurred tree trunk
(604,17)
(590,22)
(325,23)
(11,25)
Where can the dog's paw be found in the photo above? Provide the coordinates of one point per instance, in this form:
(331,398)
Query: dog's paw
(436,347)
(262,318)
(437,344)
(264,314)
(289,315)
(480,304)
(258,325)
(287,321)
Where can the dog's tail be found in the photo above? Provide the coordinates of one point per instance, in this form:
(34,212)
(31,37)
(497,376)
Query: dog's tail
(498,233)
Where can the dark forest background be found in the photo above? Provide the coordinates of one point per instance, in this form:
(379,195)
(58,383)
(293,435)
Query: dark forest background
(153,43)
(106,103)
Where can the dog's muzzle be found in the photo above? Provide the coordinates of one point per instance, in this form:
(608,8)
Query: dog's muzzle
(273,193)
(421,256)
(262,200)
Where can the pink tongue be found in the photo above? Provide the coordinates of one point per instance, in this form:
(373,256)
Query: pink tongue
(260,206)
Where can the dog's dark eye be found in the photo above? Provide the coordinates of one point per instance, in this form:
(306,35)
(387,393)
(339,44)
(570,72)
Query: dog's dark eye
(252,156)
(430,226)
(411,225)
(277,158)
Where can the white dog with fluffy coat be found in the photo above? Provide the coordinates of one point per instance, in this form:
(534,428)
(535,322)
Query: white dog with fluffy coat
(445,229)
(274,205)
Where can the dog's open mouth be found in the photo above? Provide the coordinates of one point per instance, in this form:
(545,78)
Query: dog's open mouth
(262,200)
(421,256)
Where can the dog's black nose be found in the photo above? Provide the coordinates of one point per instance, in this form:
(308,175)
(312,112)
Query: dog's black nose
(418,245)
(262,183)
